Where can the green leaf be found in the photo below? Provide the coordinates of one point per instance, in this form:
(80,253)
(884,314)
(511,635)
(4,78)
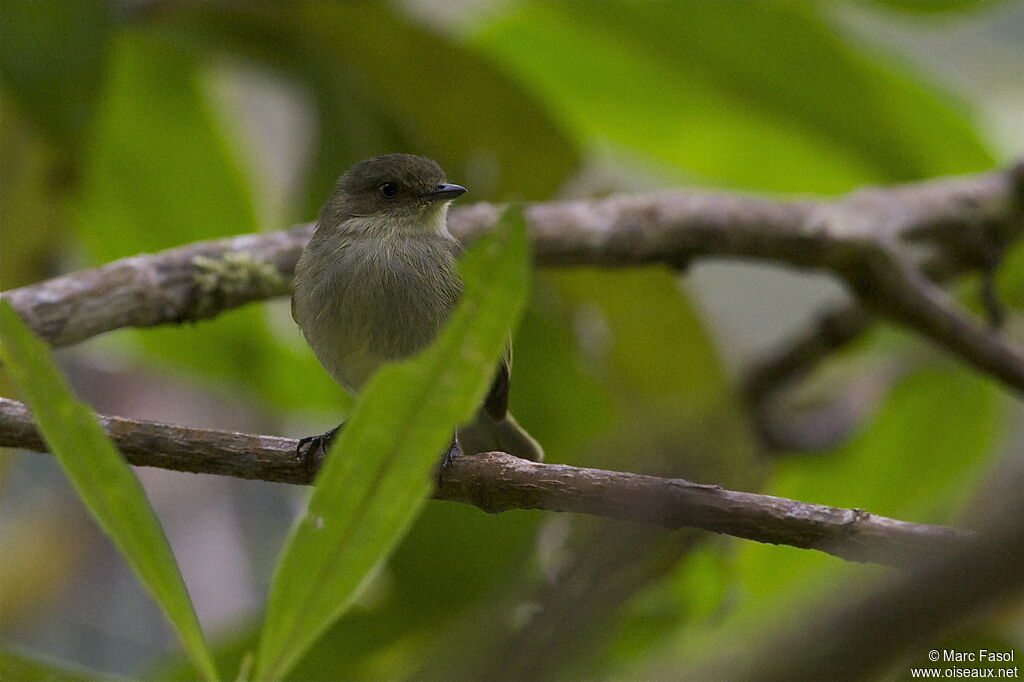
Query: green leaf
(398,87)
(51,59)
(16,665)
(939,7)
(380,470)
(920,459)
(105,483)
(679,415)
(443,93)
(907,464)
(1010,276)
(155,125)
(755,95)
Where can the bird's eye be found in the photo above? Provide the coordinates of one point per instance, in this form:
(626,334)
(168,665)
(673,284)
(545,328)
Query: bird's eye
(388,190)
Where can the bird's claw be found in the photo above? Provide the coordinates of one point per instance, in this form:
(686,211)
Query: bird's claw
(313,449)
(453,451)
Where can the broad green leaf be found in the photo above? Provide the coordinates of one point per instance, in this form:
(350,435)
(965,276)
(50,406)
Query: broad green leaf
(755,95)
(660,362)
(443,94)
(160,171)
(379,472)
(102,478)
(18,665)
(553,384)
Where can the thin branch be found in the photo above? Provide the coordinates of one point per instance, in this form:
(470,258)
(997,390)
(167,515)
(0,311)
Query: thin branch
(765,384)
(497,482)
(835,329)
(796,358)
(907,613)
(961,251)
(896,289)
(766,381)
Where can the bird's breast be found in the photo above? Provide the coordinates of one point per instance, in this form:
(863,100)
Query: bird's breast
(372,303)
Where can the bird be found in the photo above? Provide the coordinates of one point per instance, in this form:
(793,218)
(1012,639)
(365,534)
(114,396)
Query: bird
(376,283)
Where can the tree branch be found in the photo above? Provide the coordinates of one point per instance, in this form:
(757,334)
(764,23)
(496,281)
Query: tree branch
(855,637)
(980,249)
(497,482)
(787,430)
(953,215)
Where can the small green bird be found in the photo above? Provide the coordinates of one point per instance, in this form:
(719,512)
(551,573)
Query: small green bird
(378,281)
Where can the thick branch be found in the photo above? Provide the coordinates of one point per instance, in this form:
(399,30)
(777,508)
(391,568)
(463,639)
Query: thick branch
(161,288)
(199,280)
(497,482)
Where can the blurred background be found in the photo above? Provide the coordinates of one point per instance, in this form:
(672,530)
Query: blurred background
(139,125)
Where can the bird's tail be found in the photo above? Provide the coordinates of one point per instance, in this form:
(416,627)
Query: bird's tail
(486,434)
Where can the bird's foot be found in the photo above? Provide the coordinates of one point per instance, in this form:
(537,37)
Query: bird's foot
(313,449)
(453,451)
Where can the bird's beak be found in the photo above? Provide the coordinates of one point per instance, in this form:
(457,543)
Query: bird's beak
(446,191)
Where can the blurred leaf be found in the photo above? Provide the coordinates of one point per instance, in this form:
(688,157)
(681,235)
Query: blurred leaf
(554,392)
(398,84)
(458,106)
(455,560)
(160,173)
(377,476)
(29,199)
(103,480)
(915,459)
(925,7)
(647,351)
(42,555)
(51,61)
(353,124)
(918,461)
(229,650)
(16,665)
(755,95)
(659,362)
(1010,276)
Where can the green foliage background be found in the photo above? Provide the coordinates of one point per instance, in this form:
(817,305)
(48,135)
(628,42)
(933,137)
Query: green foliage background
(136,127)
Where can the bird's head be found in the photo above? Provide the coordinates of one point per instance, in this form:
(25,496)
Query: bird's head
(394,192)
